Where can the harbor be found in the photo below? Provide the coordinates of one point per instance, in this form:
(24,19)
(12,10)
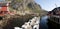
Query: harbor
(53,19)
(29,14)
(45,23)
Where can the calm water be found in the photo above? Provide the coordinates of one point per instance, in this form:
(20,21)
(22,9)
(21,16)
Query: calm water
(45,24)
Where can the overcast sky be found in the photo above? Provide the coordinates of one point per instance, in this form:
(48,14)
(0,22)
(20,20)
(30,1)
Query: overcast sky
(48,4)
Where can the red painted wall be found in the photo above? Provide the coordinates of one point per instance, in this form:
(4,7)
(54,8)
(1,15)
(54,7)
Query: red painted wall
(4,8)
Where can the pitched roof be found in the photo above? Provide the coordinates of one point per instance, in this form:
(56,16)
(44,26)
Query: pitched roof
(3,4)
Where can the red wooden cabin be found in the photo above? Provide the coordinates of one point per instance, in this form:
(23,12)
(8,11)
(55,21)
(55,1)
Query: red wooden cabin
(4,8)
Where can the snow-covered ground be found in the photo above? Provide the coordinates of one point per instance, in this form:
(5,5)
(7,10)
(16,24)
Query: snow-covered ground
(31,24)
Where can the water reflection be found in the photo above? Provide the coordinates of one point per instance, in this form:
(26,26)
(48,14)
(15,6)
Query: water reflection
(46,24)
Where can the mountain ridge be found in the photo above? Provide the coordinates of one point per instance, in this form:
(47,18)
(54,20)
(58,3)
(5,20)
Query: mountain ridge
(26,6)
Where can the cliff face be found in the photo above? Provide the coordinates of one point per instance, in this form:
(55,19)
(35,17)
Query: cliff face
(26,6)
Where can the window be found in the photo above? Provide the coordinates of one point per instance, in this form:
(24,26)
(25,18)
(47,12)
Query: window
(0,7)
(1,12)
(5,12)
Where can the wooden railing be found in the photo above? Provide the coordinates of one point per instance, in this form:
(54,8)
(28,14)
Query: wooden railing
(55,19)
(55,16)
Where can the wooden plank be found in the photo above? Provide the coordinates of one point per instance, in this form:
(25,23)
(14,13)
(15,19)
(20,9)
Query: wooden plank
(55,21)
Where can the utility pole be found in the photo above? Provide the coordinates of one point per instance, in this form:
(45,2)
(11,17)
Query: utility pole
(56,7)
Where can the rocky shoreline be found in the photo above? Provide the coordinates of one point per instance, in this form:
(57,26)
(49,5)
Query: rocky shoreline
(15,20)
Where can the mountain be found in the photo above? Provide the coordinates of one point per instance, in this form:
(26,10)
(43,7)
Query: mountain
(25,6)
(28,7)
